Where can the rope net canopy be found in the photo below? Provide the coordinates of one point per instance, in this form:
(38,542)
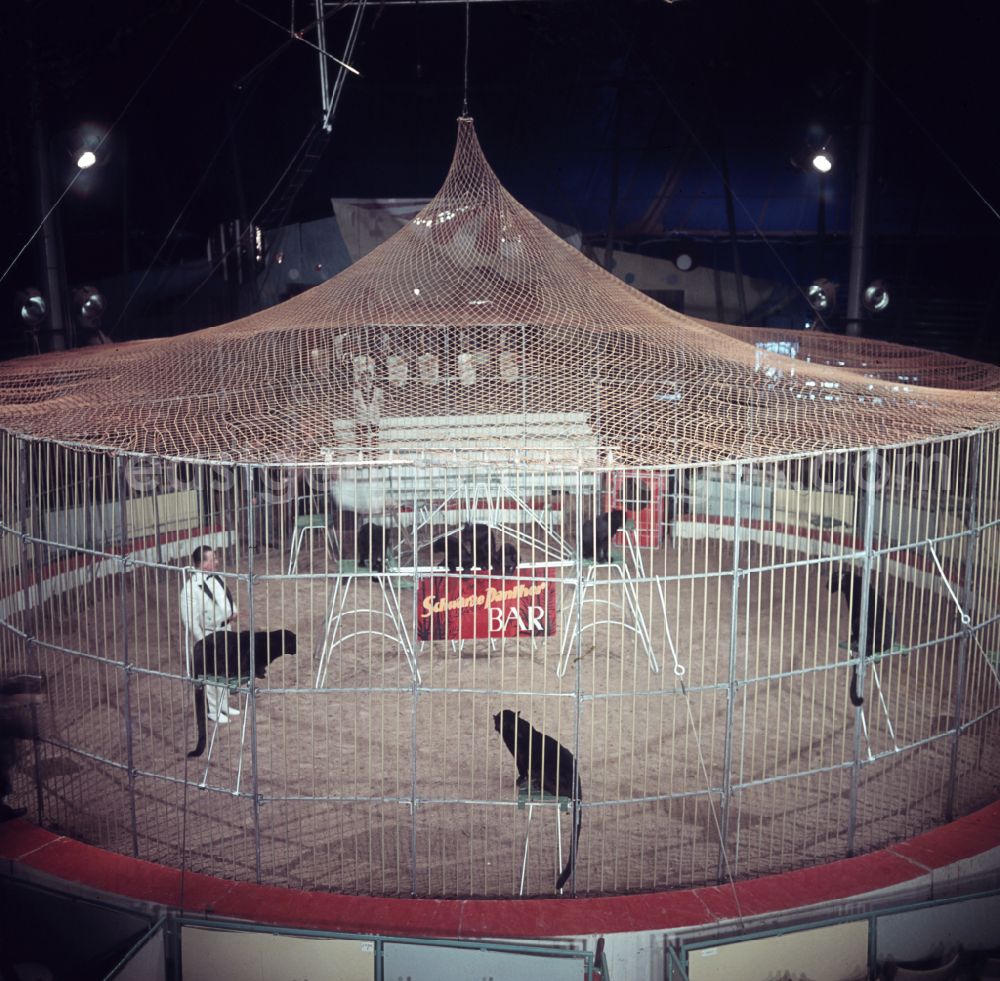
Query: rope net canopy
(475,309)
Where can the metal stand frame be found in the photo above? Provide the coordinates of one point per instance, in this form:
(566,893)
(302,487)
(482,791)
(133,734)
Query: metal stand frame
(873,661)
(344,583)
(234,685)
(528,799)
(310,524)
(630,605)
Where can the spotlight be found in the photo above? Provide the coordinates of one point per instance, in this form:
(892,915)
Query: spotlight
(686,258)
(89,146)
(31,307)
(876,296)
(822,160)
(90,304)
(822,295)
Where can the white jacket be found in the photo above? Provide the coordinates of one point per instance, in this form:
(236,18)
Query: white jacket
(206,605)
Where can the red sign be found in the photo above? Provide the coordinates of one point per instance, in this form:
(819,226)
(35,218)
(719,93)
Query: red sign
(453,607)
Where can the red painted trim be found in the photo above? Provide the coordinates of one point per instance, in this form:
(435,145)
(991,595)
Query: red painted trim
(76,862)
(198,894)
(71,563)
(902,554)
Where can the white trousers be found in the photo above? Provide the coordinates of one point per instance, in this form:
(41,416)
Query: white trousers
(217,698)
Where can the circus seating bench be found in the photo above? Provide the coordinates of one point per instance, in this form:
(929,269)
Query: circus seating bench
(419,471)
(499,468)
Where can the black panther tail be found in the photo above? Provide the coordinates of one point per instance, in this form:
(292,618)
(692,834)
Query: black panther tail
(856,699)
(574,850)
(199,716)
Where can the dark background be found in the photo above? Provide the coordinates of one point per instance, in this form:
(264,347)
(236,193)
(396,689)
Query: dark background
(619,118)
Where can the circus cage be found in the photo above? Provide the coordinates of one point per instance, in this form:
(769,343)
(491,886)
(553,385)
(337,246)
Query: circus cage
(474,473)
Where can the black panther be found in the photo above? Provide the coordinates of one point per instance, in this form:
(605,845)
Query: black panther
(879,636)
(597,534)
(227,654)
(548,765)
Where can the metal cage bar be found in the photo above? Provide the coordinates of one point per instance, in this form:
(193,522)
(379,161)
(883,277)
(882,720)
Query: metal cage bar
(388,780)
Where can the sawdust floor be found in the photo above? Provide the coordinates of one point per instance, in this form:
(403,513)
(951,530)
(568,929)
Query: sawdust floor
(374,784)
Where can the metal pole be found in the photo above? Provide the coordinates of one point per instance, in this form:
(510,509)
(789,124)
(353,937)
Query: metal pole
(30,584)
(123,316)
(28,518)
(741,296)
(126,663)
(971,522)
(863,641)
(52,258)
(821,226)
(720,303)
(577,682)
(413,774)
(251,705)
(157,471)
(609,239)
(324,91)
(333,98)
(862,185)
(732,690)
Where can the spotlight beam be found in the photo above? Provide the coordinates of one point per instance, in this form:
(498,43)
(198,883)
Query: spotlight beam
(823,161)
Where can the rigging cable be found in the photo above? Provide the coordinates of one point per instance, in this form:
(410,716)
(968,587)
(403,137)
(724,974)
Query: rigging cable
(300,35)
(206,170)
(338,85)
(335,99)
(736,197)
(253,220)
(465,83)
(104,138)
